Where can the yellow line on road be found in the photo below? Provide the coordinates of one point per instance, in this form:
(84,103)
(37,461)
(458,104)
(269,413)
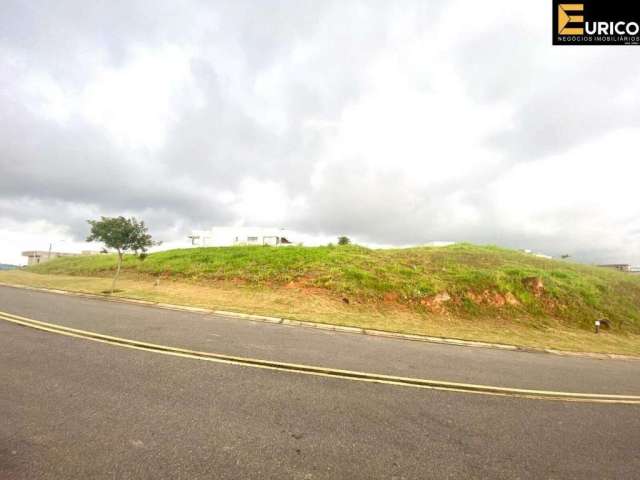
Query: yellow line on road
(321,371)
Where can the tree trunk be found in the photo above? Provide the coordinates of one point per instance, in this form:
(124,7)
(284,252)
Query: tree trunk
(113,284)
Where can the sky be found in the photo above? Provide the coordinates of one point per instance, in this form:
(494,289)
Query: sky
(395,123)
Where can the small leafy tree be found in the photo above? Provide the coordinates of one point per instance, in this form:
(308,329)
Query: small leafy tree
(344,240)
(121,234)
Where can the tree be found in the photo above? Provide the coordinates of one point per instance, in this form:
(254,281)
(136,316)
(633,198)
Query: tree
(121,234)
(344,240)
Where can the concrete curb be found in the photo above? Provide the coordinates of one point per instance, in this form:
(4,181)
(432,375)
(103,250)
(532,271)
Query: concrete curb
(325,326)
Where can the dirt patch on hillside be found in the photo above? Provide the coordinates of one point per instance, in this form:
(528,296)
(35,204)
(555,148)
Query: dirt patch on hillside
(436,303)
(492,298)
(535,285)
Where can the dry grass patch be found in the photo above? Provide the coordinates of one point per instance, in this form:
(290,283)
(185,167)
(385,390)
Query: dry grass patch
(320,306)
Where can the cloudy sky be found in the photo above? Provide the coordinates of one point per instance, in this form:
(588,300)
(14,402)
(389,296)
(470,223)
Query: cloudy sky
(396,123)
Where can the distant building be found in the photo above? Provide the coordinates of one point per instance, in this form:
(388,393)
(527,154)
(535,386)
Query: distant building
(34,257)
(623,267)
(230,236)
(535,254)
(437,243)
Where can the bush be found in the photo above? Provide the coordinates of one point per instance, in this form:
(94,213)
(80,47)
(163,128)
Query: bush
(344,240)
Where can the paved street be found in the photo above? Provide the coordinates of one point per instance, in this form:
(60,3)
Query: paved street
(73,408)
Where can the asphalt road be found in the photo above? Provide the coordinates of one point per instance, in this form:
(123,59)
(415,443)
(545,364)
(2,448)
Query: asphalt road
(72,408)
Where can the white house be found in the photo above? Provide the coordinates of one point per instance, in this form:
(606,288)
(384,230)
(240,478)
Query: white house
(229,236)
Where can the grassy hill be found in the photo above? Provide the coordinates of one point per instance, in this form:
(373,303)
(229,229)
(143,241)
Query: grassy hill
(460,281)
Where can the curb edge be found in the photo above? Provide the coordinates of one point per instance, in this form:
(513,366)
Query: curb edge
(326,326)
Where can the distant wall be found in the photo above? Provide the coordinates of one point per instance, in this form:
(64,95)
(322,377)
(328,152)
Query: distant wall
(36,257)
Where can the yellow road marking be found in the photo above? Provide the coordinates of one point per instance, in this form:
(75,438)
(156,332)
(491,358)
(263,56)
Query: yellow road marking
(321,371)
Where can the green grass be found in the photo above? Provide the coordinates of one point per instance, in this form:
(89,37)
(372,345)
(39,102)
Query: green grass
(477,278)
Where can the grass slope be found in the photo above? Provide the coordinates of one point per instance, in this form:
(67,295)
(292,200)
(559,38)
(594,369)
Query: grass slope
(462,281)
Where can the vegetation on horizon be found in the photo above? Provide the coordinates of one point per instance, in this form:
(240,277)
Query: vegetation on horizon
(342,240)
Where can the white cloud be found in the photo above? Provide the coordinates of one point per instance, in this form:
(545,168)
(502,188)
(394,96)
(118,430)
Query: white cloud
(36,235)
(585,198)
(135,102)
(264,203)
